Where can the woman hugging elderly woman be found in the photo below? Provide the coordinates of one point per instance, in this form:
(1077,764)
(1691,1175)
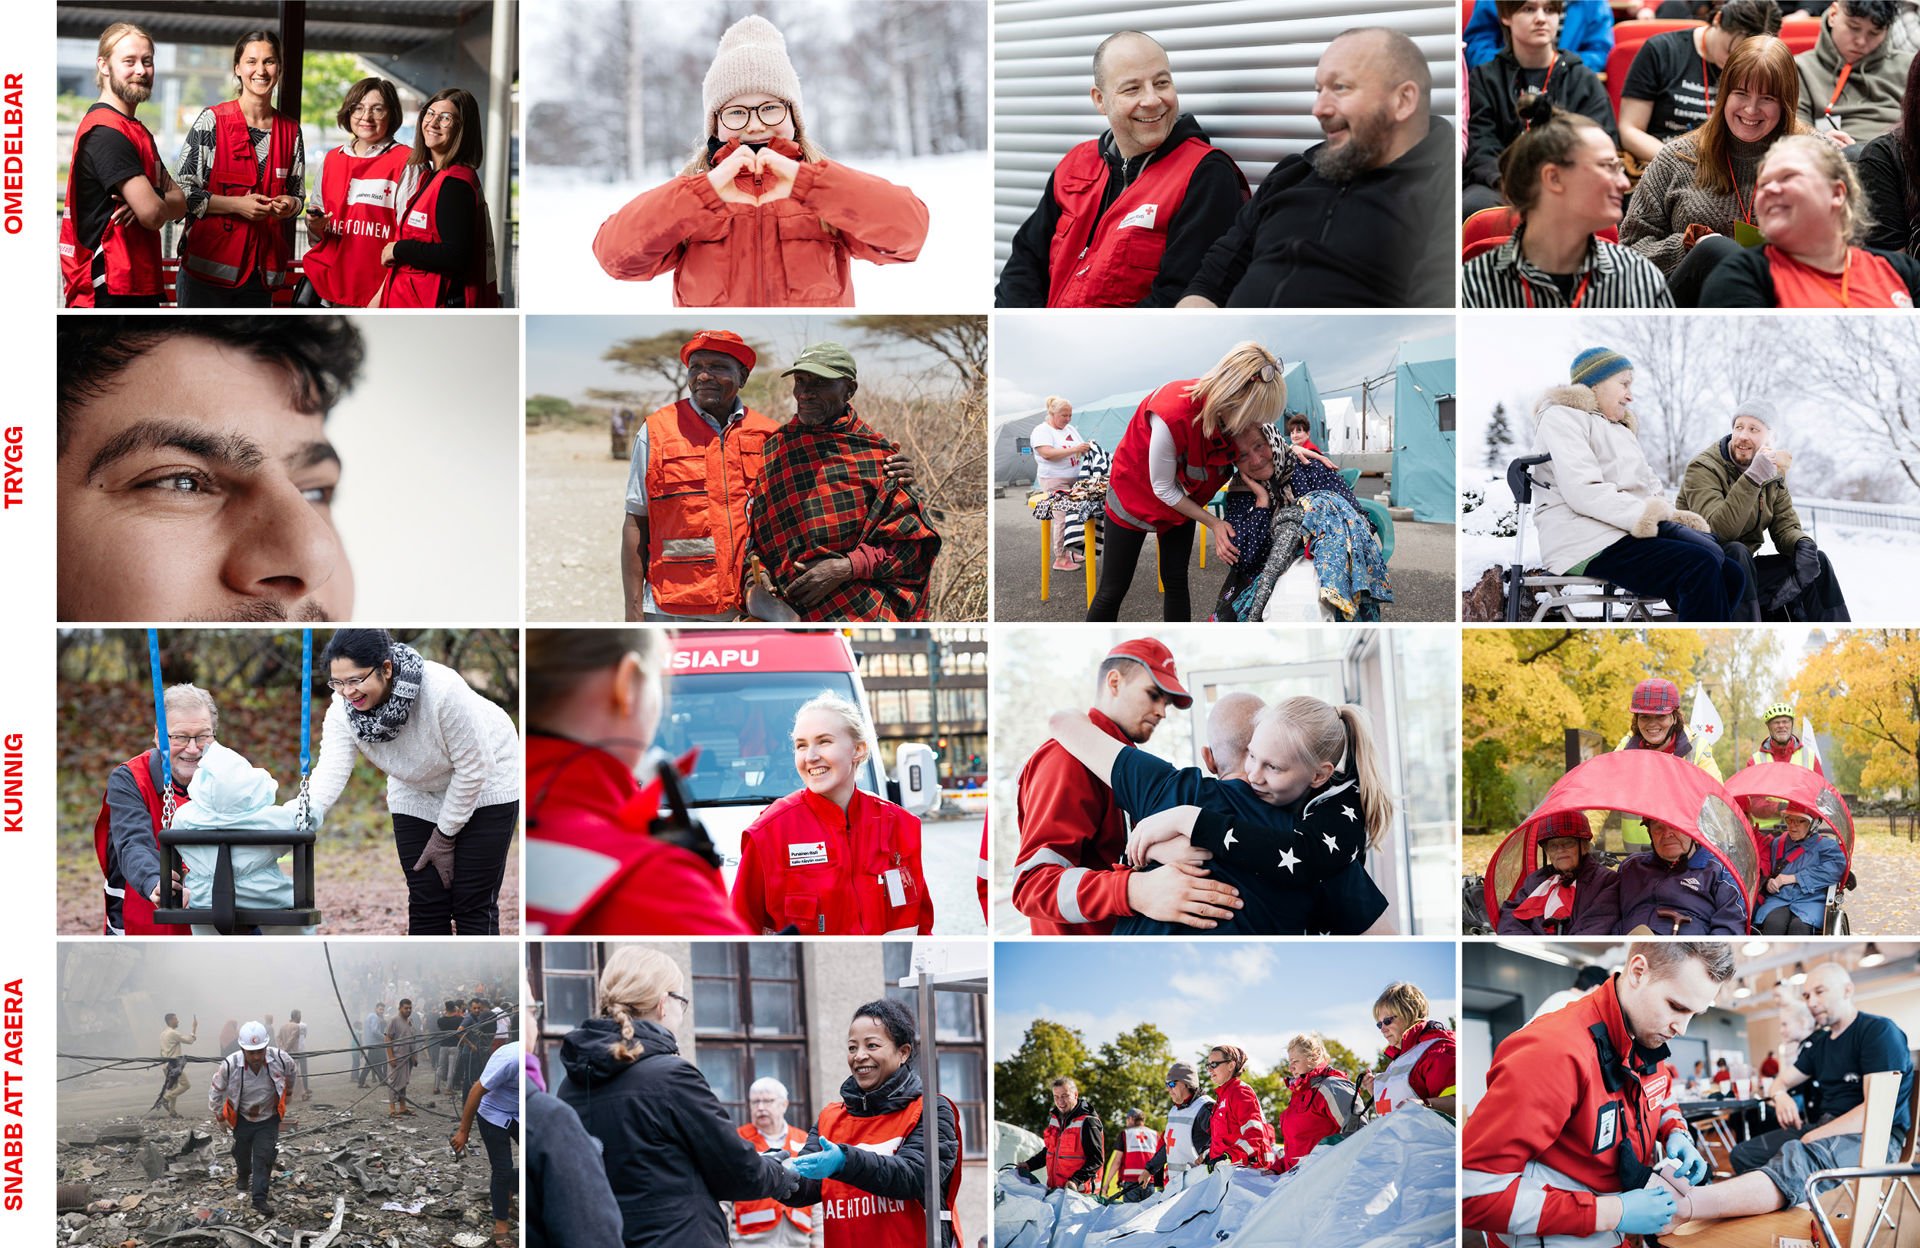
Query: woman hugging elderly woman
(1602,512)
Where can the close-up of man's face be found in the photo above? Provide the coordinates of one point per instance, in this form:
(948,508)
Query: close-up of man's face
(192,488)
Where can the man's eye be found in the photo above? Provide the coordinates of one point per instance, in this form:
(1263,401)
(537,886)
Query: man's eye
(180,482)
(319,495)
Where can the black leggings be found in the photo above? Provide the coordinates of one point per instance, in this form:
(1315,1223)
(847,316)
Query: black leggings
(503,1182)
(1784,922)
(472,906)
(1122,554)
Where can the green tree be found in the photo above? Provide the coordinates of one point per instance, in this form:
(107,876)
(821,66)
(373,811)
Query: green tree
(545,409)
(1130,1072)
(324,79)
(1023,1084)
(658,357)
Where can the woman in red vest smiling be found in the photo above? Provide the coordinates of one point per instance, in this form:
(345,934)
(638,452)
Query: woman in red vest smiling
(443,256)
(244,169)
(867,1159)
(1173,458)
(352,220)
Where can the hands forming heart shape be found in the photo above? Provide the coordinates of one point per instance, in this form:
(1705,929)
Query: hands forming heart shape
(771,171)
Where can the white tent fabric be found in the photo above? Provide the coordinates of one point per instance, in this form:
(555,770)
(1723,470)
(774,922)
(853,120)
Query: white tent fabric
(1011,1144)
(1392,1183)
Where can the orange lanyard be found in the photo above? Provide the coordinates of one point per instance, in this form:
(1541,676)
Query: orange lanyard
(1839,85)
(1846,275)
(1526,290)
(1740,205)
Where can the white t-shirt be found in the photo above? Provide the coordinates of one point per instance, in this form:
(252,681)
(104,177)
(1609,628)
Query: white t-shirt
(1054,471)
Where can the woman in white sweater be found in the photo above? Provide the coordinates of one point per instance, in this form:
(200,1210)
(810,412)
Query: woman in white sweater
(1600,511)
(452,761)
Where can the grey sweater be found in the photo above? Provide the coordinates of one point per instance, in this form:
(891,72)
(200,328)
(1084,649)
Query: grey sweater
(1668,200)
(456,753)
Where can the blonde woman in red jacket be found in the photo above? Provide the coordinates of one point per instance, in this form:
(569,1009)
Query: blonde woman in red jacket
(760,217)
(1241,1134)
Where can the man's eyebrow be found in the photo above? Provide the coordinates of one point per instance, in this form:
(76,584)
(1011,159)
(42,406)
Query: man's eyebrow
(231,450)
(312,455)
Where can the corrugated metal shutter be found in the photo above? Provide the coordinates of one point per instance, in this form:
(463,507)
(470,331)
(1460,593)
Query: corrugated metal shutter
(1243,67)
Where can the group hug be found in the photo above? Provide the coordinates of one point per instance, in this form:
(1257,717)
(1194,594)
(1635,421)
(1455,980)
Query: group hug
(387,225)
(1724,170)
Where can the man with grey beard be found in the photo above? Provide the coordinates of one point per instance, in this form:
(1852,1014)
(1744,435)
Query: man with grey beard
(1363,219)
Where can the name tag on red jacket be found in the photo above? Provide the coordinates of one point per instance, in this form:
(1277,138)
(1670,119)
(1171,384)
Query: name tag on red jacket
(806,853)
(1606,1129)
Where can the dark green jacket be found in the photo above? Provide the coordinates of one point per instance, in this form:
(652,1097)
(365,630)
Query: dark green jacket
(1736,508)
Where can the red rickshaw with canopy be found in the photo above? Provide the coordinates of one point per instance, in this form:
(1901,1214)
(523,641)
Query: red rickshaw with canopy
(1767,788)
(1646,784)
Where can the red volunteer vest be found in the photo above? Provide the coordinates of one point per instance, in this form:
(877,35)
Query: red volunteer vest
(1203,463)
(830,881)
(224,251)
(359,194)
(136,912)
(1066,1153)
(125,259)
(1138,1151)
(417,288)
(757,1217)
(1111,262)
(857,1219)
(697,487)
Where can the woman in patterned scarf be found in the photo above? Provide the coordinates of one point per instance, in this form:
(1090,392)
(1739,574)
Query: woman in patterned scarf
(452,761)
(834,537)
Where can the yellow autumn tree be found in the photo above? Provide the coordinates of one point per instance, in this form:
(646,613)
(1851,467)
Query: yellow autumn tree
(1863,690)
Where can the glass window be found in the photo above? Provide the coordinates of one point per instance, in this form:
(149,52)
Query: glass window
(569,971)
(963,1080)
(749,1014)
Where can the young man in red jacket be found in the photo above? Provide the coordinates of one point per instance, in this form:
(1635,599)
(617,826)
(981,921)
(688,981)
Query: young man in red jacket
(1578,1112)
(1068,878)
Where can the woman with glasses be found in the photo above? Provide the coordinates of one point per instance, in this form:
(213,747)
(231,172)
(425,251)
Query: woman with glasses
(760,217)
(1240,1134)
(443,254)
(1420,1054)
(1565,181)
(244,169)
(352,217)
(670,1148)
(1175,455)
(452,761)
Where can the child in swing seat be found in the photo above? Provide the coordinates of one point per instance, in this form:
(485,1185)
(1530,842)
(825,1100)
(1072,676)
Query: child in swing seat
(229,792)
(1291,837)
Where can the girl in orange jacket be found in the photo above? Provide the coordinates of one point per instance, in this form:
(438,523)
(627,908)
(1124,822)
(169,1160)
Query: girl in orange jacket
(760,217)
(830,859)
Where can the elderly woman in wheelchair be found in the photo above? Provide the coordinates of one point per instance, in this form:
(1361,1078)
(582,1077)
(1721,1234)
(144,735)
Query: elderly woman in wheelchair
(1602,513)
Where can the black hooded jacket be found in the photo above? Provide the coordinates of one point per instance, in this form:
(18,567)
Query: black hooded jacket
(900,1175)
(671,1152)
(1387,239)
(1214,194)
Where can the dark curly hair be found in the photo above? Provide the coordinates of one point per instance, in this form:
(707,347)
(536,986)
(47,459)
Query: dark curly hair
(895,1018)
(320,355)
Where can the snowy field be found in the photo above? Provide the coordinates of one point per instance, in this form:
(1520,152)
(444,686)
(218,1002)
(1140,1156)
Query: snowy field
(1861,556)
(955,269)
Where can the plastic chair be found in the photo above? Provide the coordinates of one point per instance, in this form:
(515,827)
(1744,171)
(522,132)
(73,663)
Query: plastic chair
(1562,597)
(1490,225)
(1800,32)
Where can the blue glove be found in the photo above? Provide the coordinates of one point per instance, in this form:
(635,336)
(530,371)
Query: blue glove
(1693,1167)
(1646,1211)
(827,1162)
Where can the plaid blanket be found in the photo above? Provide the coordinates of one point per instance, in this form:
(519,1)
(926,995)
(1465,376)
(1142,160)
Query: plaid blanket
(1084,500)
(823,491)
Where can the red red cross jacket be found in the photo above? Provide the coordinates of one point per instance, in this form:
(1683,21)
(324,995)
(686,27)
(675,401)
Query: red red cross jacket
(125,259)
(1317,1108)
(1067,878)
(592,867)
(806,863)
(1241,1133)
(1112,263)
(1565,1095)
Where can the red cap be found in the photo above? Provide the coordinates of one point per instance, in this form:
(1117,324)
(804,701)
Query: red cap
(724,341)
(1159,662)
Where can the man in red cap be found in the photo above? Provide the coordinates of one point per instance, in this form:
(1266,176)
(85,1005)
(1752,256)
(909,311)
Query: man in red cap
(694,464)
(1068,879)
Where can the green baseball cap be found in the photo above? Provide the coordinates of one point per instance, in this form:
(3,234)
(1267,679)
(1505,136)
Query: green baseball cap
(825,359)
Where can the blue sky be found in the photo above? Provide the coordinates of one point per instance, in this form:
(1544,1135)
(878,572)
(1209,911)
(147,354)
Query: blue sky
(1202,993)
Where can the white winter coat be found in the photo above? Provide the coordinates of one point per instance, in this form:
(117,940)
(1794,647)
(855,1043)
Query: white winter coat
(1598,488)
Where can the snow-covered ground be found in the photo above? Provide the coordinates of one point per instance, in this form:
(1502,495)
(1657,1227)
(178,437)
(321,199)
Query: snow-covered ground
(1861,557)
(561,215)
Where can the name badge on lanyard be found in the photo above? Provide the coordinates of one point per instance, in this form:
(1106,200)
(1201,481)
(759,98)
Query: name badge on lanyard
(1606,1131)
(896,887)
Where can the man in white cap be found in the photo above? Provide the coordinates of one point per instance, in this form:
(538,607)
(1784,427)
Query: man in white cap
(248,1096)
(1739,485)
